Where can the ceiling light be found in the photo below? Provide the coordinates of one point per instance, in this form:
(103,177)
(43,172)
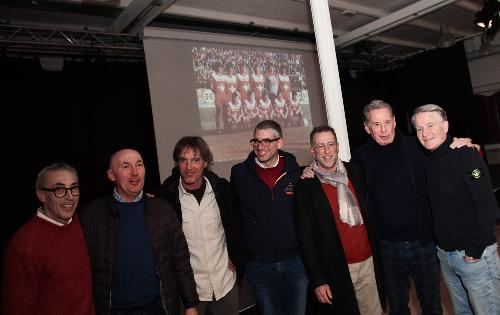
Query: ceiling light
(488,17)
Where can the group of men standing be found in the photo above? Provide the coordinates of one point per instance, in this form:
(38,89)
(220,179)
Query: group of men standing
(351,232)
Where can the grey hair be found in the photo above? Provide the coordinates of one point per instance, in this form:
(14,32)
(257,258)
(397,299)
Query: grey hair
(41,178)
(429,108)
(375,104)
(269,124)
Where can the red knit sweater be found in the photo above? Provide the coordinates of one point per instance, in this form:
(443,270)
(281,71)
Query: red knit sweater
(354,239)
(47,270)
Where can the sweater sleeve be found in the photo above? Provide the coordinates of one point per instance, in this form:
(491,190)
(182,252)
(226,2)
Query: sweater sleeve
(304,225)
(21,276)
(477,180)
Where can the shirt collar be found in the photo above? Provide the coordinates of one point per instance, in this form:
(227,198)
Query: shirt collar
(120,198)
(263,166)
(40,214)
(183,191)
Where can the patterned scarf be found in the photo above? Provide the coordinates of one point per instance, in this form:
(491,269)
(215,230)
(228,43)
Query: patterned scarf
(349,210)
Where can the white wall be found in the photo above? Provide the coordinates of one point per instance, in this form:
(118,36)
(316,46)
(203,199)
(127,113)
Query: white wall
(485,74)
(484,64)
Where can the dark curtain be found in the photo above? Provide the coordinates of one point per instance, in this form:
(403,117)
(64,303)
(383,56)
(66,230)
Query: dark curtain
(79,115)
(440,76)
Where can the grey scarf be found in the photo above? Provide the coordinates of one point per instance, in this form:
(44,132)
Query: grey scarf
(349,210)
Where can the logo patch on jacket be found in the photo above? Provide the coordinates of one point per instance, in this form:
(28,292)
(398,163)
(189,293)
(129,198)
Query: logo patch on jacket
(289,189)
(475,174)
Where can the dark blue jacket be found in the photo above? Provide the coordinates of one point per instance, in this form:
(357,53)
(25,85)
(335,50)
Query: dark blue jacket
(413,159)
(267,213)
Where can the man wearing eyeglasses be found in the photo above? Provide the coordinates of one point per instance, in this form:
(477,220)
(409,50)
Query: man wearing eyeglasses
(46,264)
(264,184)
(139,255)
(336,235)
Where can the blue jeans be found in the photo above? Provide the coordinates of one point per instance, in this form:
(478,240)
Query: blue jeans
(474,287)
(411,259)
(280,287)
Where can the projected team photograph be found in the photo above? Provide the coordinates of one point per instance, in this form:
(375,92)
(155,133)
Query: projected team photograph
(235,88)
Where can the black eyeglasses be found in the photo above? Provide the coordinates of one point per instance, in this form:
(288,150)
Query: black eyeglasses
(60,192)
(265,142)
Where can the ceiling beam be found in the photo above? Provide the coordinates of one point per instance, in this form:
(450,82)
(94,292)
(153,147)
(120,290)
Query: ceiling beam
(185,11)
(376,13)
(390,21)
(401,42)
(353,7)
(129,14)
(138,14)
(469,5)
(236,18)
(161,5)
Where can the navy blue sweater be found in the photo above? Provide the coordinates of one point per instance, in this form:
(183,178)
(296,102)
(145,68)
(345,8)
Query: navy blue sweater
(135,282)
(396,180)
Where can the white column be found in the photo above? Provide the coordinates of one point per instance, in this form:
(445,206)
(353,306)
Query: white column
(330,74)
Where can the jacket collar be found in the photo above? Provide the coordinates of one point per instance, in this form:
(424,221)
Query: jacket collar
(290,161)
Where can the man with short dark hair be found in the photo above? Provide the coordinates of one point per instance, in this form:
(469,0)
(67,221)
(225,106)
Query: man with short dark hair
(206,205)
(139,255)
(264,184)
(336,234)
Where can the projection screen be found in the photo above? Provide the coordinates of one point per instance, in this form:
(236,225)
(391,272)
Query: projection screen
(220,86)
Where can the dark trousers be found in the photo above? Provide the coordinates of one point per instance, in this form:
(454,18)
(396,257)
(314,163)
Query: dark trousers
(410,259)
(152,308)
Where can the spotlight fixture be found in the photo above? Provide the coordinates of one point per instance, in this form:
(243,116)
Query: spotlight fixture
(488,17)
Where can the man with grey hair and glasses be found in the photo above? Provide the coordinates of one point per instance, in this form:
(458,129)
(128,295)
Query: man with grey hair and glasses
(46,264)
(464,213)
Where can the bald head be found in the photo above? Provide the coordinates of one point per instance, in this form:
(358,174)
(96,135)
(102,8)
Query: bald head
(127,171)
(118,155)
